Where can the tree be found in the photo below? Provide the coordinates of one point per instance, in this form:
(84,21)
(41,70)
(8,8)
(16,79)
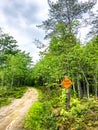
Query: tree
(91,57)
(94,27)
(72,57)
(7,46)
(19,66)
(65,11)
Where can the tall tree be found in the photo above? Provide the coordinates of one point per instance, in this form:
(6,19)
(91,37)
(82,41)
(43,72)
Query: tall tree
(7,46)
(18,70)
(65,11)
(91,57)
(94,23)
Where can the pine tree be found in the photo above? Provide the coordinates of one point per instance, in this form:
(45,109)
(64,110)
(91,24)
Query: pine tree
(65,11)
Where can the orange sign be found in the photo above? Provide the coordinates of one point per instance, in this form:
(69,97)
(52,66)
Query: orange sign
(66,83)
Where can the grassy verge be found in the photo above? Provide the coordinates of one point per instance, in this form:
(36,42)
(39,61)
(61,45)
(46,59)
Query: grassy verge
(83,115)
(50,113)
(7,94)
(40,116)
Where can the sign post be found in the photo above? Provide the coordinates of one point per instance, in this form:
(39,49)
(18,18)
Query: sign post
(67,84)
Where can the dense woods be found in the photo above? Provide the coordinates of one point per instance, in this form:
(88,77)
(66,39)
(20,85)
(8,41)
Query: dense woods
(15,65)
(65,55)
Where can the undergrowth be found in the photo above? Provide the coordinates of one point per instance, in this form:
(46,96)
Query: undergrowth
(50,112)
(7,94)
(40,116)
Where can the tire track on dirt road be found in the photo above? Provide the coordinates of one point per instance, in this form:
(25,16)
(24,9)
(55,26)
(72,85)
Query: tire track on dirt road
(12,116)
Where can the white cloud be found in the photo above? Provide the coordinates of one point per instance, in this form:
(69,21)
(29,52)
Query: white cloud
(19,19)
(2,18)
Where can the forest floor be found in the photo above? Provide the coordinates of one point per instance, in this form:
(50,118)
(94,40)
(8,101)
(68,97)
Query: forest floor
(12,116)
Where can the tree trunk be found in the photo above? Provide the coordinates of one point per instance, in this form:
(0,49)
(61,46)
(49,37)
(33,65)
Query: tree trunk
(95,87)
(80,92)
(88,91)
(74,88)
(84,86)
(12,82)
(18,82)
(2,80)
(86,82)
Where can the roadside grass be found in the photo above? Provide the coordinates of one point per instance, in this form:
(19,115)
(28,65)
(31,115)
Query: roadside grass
(50,114)
(7,94)
(41,115)
(83,115)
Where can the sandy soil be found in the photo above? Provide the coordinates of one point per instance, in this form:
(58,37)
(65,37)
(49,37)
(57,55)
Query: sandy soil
(12,116)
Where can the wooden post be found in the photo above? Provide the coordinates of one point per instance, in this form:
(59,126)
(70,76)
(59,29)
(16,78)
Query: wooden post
(68,98)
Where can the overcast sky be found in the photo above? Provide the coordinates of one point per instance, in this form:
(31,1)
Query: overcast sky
(20,17)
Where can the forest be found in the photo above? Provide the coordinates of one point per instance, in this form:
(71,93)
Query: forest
(65,55)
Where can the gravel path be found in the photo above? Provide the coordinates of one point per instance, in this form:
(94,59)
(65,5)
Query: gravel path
(12,116)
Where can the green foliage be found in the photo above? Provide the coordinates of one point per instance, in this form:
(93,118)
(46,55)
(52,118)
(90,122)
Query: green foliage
(48,70)
(82,115)
(19,72)
(15,65)
(72,59)
(40,116)
(50,112)
(7,46)
(64,56)
(63,98)
(4,101)
(66,12)
(7,94)
(33,119)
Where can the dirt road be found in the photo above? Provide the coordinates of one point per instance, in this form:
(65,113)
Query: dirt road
(11,116)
